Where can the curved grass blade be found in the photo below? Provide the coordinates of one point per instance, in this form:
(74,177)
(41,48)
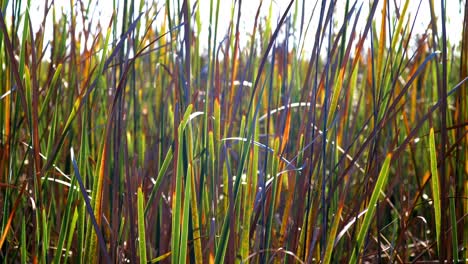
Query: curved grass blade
(157,183)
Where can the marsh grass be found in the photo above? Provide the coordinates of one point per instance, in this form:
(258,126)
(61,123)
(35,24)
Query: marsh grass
(354,152)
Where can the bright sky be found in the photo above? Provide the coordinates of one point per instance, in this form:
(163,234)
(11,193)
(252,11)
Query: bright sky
(103,9)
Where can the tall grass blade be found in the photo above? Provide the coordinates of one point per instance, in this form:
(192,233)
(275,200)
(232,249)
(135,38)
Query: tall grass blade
(435,188)
(141,227)
(376,193)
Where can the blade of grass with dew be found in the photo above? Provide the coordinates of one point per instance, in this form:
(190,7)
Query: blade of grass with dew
(379,187)
(435,187)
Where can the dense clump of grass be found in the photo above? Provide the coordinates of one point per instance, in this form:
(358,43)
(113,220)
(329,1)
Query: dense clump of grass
(356,151)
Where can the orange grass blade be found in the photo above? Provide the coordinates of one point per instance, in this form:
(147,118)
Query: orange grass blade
(12,214)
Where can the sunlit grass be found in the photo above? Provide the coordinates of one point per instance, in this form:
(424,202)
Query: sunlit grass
(198,149)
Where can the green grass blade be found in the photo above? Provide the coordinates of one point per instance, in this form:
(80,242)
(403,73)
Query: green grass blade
(379,187)
(65,221)
(141,227)
(71,233)
(177,196)
(435,187)
(185,218)
(159,178)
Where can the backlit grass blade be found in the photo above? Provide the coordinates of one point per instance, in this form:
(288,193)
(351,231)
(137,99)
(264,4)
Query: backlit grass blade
(435,187)
(185,218)
(71,234)
(195,212)
(379,187)
(177,195)
(141,227)
(333,232)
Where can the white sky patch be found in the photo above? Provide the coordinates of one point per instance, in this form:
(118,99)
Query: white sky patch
(102,10)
